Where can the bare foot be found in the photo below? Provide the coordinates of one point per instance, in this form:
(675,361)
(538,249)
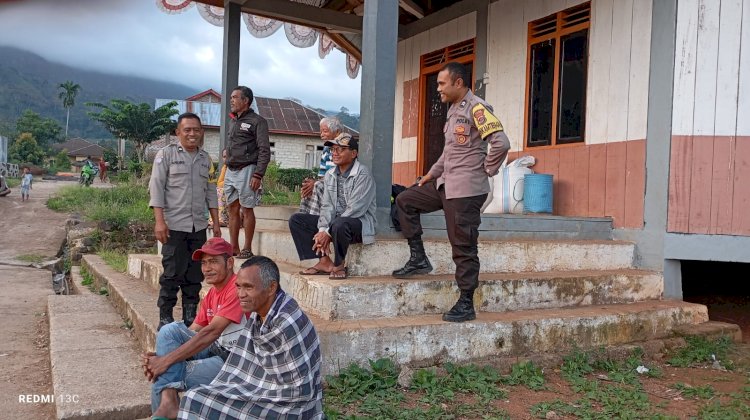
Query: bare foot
(170,404)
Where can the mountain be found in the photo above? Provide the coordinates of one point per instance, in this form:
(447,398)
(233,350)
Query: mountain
(28,81)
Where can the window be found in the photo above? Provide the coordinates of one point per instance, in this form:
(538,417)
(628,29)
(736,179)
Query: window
(556,77)
(273,151)
(310,162)
(318,156)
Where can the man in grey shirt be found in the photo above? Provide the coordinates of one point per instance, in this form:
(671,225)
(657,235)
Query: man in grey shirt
(181,188)
(347,212)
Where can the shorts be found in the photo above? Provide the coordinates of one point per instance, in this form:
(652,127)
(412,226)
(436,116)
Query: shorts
(25,189)
(237,186)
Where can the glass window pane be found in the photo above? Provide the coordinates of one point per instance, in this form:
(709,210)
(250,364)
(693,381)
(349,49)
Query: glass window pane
(541,86)
(571,114)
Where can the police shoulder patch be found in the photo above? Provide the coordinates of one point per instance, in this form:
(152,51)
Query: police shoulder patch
(484,120)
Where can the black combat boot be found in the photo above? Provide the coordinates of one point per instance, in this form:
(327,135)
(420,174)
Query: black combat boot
(463,310)
(418,262)
(189,310)
(165,317)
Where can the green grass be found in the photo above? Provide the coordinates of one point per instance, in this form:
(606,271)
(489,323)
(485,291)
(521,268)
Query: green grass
(31,258)
(88,279)
(13,182)
(602,388)
(704,392)
(700,350)
(280,197)
(115,259)
(616,393)
(119,205)
(373,392)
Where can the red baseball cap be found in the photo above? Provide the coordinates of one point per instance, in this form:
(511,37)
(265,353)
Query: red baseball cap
(213,246)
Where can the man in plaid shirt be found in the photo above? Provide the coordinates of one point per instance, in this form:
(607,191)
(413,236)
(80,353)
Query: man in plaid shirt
(312,189)
(274,369)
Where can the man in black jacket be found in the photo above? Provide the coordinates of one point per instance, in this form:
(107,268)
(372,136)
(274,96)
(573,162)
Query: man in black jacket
(248,154)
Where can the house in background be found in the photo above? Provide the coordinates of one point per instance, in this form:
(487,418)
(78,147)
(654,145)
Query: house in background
(293,129)
(78,150)
(636,107)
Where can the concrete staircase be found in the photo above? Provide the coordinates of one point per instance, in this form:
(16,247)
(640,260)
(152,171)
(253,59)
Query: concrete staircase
(535,296)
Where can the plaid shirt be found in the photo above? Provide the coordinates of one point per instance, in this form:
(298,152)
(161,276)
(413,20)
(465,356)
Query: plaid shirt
(272,372)
(311,205)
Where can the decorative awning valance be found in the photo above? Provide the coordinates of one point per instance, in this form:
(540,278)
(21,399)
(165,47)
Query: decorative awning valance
(262,27)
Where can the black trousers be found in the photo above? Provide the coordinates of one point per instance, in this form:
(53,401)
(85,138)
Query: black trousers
(344,231)
(180,271)
(462,220)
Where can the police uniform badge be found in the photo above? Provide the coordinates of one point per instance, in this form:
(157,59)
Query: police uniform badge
(461,138)
(484,120)
(462,105)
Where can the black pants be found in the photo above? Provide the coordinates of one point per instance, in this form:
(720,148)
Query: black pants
(343,230)
(180,271)
(462,219)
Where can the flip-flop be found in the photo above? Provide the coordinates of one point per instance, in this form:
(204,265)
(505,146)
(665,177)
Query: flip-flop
(335,274)
(315,272)
(159,418)
(245,253)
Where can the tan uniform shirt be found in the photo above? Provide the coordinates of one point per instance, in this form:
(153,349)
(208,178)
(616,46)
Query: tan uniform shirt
(465,167)
(182,184)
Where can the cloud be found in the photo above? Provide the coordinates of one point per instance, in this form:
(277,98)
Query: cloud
(136,38)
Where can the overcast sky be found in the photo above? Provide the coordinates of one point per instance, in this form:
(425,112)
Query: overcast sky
(134,37)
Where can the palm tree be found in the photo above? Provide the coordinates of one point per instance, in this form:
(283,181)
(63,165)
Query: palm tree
(138,123)
(68,97)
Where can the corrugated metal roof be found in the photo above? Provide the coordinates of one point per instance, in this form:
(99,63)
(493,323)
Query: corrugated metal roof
(283,115)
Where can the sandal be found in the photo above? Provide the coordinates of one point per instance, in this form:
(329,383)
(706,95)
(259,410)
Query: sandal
(341,274)
(245,253)
(312,271)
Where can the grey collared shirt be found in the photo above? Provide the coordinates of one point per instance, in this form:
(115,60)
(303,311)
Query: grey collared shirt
(465,167)
(181,184)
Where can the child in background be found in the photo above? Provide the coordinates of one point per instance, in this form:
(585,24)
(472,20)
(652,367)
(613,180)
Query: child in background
(26,180)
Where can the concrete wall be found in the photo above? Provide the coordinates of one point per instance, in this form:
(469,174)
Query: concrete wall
(289,151)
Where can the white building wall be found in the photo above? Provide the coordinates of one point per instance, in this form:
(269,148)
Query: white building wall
(617,87)
(712,68)
(292,151)
(288,150)
(409,53)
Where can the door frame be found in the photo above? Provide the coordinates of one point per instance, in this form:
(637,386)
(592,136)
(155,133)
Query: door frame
(425,71)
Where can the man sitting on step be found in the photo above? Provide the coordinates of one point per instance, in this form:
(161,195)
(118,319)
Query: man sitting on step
(188,357)
(274,370)
(347,212)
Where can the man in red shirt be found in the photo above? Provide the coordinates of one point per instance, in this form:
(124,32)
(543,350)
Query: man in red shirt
(188,357)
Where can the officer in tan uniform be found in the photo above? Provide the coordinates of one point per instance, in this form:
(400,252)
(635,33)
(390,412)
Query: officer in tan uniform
(458,183)
(181,188)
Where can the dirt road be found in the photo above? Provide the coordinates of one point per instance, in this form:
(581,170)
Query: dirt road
(26,229)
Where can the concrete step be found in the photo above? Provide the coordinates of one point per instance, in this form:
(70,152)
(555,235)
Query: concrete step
(95,362)
(387,297)
(435,294)
(508,256)
(427,340)
(493,227)
(132,298)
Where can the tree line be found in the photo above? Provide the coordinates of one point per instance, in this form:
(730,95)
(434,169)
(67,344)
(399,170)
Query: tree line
(33,136)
